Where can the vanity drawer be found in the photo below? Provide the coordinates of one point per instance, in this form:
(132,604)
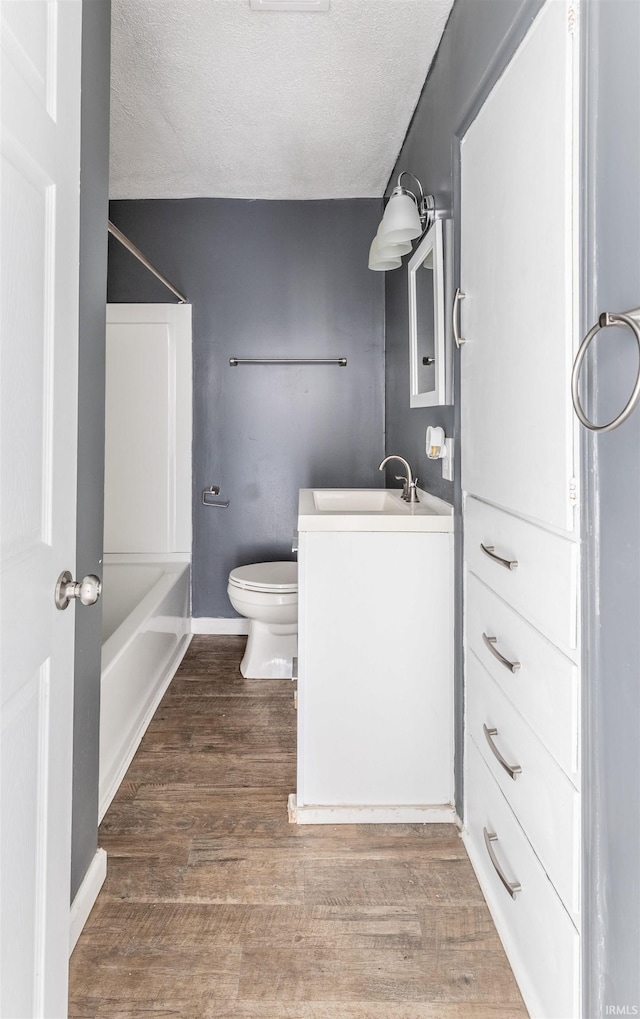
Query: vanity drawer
(545,802)
(544,688)
(544,584)
(540,940)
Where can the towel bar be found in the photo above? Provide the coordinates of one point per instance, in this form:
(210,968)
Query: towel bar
(340,361)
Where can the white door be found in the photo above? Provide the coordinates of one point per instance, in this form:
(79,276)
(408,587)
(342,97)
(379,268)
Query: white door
(518,267)
(40,138)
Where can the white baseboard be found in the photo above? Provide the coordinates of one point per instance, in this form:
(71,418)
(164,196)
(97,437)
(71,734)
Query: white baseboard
(86,896)
(401,814)
(205,624)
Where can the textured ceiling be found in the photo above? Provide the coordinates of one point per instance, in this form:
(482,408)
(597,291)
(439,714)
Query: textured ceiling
(211,99)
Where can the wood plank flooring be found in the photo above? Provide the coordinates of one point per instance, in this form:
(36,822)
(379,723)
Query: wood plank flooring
(215,907)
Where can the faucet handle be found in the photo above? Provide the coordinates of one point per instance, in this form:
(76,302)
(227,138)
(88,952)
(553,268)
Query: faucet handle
(405,485)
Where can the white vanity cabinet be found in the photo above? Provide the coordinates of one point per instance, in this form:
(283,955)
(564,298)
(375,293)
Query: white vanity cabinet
(375,670)
(521,541)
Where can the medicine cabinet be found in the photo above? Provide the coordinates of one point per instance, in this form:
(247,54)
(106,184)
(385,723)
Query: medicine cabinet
(430,346)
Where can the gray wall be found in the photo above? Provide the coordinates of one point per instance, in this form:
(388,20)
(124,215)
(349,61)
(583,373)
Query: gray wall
(478,42)
(611,512)
(270,279)
(94,182)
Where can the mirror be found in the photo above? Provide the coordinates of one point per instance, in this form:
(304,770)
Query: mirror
(430,376)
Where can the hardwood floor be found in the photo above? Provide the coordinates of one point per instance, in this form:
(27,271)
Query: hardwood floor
(215,907)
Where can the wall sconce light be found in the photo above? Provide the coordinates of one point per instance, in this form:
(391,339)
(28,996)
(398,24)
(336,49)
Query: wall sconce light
(380,261)
(384,254)
(406,217)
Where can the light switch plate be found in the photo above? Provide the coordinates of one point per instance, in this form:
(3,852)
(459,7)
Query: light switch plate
(447,461)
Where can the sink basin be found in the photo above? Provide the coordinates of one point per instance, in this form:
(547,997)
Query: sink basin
(355,500)
(371,509)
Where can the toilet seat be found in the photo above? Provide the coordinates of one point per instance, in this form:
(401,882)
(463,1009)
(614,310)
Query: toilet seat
(275,578)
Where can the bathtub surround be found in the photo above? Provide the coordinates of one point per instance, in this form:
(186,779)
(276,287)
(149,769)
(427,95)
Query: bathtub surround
(148,431)
(270,279)
(147,523)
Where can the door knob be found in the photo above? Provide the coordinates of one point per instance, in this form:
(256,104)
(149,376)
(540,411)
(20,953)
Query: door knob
(87,591)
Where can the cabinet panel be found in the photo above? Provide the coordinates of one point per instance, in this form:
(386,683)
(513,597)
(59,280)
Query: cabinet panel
(543,586)
(543,799)
(517,274)
(541,942)
(545,687)
(375,690)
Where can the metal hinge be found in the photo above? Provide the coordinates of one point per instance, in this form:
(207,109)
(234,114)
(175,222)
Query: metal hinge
(573,491)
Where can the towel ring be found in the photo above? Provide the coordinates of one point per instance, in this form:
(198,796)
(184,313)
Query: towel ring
(606,319)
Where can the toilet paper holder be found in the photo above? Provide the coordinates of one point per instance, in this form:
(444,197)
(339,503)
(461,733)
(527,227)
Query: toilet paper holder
(208,498)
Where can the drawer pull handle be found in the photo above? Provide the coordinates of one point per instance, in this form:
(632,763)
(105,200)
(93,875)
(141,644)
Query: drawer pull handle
(509,564)
(513,887)
(512,770)
(491,642)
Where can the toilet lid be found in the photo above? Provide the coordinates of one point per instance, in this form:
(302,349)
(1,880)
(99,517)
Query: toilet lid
(280,577)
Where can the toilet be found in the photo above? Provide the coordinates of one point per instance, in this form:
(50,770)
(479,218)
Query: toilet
(267,595)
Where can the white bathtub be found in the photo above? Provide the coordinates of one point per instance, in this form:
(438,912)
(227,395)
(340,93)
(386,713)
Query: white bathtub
(145,633)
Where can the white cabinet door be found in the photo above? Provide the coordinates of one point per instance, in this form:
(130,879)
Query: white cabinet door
(375,695)
(40,123)
(542,944)
(518,272)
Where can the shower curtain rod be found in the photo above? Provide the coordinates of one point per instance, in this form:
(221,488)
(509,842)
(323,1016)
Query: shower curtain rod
(118,234)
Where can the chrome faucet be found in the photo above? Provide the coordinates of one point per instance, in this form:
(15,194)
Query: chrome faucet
(409,493)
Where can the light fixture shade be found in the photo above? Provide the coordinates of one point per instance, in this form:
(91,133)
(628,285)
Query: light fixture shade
(401,220)
(391,249)
(381,262)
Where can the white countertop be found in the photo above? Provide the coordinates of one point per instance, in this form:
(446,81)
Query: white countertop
(378,509)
